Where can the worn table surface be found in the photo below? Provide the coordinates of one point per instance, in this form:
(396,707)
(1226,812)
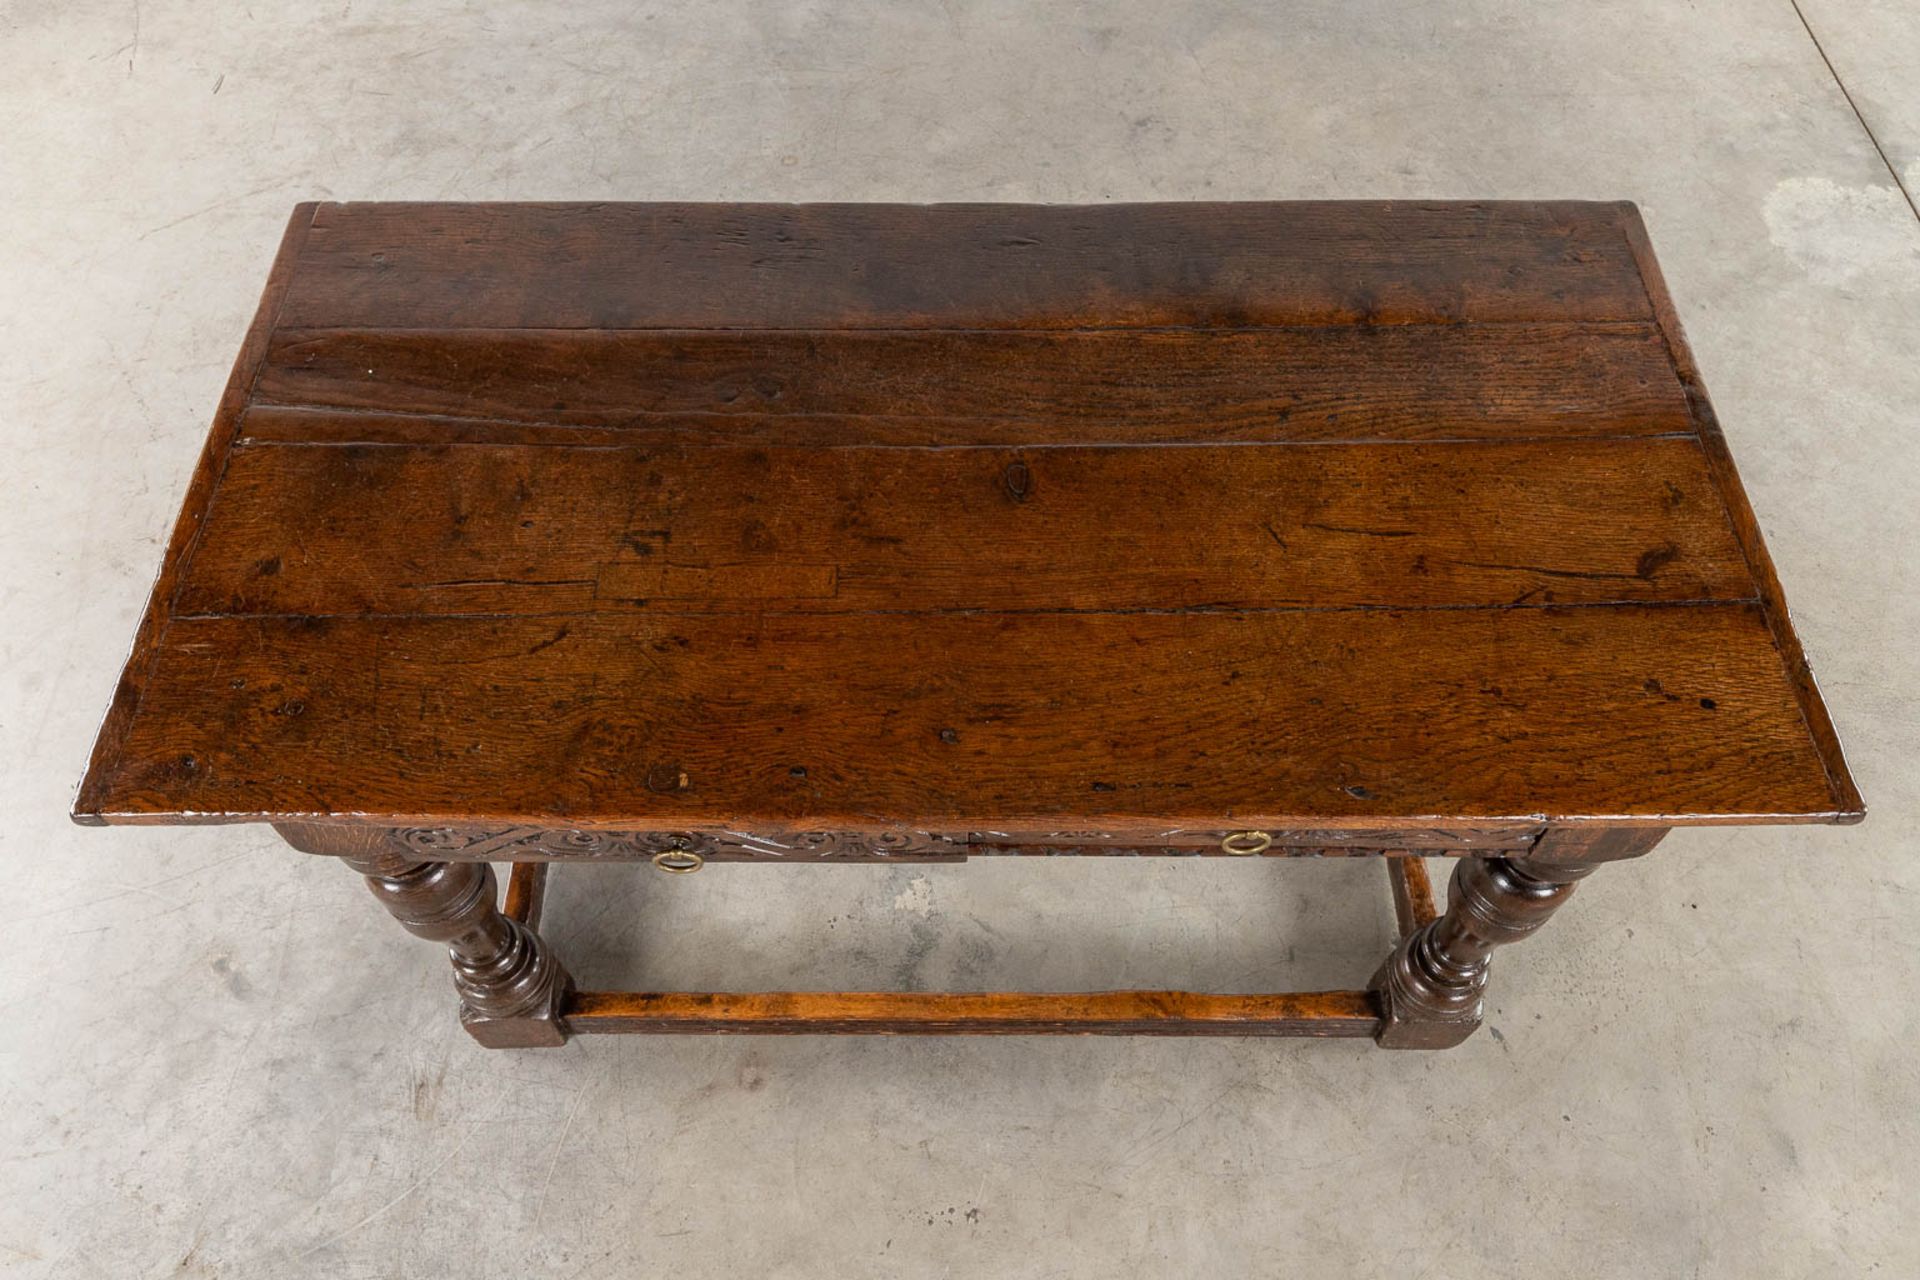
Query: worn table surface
(967,517)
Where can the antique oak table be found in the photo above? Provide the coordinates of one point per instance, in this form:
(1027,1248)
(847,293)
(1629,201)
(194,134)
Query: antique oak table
(704,533)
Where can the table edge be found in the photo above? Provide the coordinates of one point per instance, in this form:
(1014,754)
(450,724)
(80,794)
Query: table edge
(1848,806)
(90,804)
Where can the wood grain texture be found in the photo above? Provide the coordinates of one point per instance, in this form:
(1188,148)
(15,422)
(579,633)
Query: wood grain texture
(1432,987)
(832,388)
(1412,892)
(511,986)
(862,532)
(595,844)
(1286,842)
(1746,525)
(528,848)
(1185,1013)
(977,721)
(757,266)
(526,894)
(1113,521)
(522,529)
(193,508)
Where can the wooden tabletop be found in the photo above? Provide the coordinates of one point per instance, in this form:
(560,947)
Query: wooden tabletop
(953,517)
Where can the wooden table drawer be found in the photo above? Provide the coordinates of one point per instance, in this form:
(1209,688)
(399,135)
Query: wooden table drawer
(1249,841)
(540,844)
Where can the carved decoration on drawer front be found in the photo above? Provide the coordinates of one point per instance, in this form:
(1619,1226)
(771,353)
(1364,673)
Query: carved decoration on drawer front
(434,843)
(1293,842)
(1177,851)
(515,843)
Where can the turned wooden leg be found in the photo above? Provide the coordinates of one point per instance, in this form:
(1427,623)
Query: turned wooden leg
(510,984)
(1432,986)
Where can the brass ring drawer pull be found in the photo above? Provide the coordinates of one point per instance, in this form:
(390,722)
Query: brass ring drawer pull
(679,862)
(1244,844)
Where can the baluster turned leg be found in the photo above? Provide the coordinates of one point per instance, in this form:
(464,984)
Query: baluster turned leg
(1431,987)
(511,985)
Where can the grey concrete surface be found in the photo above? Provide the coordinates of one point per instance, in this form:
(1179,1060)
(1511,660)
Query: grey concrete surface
(1874,48)
(218,1058)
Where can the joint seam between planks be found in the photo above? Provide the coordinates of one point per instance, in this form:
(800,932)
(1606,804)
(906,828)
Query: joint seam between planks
(1230,610)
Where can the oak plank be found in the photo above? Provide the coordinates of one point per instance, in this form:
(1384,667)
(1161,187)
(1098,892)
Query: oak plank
(764,266)
(519,529)
(1185,1013)
(860,387)
(1412,892)
(526,894)
(1746,524)
(496,629)
(199,498)
(975,722)
(1320,842)
(528,848)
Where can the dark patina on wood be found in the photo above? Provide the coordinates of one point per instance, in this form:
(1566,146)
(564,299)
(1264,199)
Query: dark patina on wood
(688,533)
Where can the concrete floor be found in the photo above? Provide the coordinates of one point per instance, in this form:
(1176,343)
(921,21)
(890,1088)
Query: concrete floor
(218,1058)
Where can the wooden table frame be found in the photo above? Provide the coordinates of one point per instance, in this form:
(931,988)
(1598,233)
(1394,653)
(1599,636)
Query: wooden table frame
(546,532)
(515,992)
